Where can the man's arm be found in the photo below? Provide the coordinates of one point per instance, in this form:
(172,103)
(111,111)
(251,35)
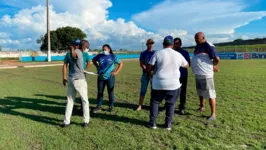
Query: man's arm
(64,71)
(188,58)
(149,68)
(215,58)
(141,62)
(215,61)
(151,64)
(184,62)
(73,53)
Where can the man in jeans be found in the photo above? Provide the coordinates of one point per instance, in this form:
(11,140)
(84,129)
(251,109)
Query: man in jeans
(183,76)
(145,56)
(165,82)
(76,83)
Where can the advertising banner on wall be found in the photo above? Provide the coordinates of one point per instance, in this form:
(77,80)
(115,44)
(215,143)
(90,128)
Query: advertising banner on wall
(258,55)
(227,55)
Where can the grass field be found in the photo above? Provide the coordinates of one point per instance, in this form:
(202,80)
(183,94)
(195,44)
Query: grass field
(32,105)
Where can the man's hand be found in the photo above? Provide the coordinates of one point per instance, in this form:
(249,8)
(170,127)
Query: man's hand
(72,48)
(144,67)
(64,82)
(114,73)
(216,69)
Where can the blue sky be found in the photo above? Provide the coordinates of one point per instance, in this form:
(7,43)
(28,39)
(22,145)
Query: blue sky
(128,23)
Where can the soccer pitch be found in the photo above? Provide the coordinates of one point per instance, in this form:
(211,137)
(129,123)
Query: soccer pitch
(32,106)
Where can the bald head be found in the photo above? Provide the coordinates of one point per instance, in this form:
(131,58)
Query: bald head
(200,38)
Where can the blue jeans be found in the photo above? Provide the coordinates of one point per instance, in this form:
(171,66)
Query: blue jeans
(157,97)
(110,83)
(145,79)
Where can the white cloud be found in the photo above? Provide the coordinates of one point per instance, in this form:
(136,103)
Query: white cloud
(171,17)
(91,17)
(212,17)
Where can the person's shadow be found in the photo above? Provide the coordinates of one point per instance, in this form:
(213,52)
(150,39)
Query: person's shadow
(10,106)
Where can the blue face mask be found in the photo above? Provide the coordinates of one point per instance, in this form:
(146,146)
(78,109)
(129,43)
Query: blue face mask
(105,53)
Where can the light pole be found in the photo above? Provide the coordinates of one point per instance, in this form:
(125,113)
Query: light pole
(48,33)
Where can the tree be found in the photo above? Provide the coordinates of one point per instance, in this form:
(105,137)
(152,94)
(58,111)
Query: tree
(60,38)
(238,40)
(0,48)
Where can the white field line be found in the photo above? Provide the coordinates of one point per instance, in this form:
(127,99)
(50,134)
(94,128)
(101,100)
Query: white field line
(30,66)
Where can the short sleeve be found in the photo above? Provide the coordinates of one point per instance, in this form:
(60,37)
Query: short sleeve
(183,61)
(90,57)
(66,59)
(96,58)
(117,60)
(212,52)
(141,56)
(87,57)
(79,54)
(153,59)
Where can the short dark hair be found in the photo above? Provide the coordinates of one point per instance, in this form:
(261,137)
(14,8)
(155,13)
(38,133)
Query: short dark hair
(167,44)
(179,39)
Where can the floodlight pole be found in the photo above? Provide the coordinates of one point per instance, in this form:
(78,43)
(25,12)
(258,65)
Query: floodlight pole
(48,33)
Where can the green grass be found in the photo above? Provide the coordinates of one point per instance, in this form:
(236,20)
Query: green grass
(32,104)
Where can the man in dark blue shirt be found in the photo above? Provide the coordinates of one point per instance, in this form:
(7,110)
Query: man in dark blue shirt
(183,75)
(145,57)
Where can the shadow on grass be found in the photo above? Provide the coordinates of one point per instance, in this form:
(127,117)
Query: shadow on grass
(11,106)
(93,101)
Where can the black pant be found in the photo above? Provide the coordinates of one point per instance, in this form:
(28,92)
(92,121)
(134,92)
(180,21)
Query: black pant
(183,93)
(110,83)
(157,97)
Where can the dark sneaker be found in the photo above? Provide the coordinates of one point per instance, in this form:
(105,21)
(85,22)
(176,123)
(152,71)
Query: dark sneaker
(86,125)
(152,126)
(64,125)
(110,109)
(97,109)
(182,112)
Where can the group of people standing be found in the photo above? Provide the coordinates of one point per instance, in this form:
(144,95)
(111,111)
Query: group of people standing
(79,61)
(165,69)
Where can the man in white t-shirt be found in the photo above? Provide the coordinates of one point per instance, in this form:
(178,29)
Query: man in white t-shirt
(165,82)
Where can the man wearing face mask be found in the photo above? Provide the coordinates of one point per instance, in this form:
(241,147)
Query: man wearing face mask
(76,82)
(86,60)
(105,64)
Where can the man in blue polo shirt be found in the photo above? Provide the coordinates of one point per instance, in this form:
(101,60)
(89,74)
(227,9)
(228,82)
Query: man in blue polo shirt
(204,64)
(183,75)
(145,57)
